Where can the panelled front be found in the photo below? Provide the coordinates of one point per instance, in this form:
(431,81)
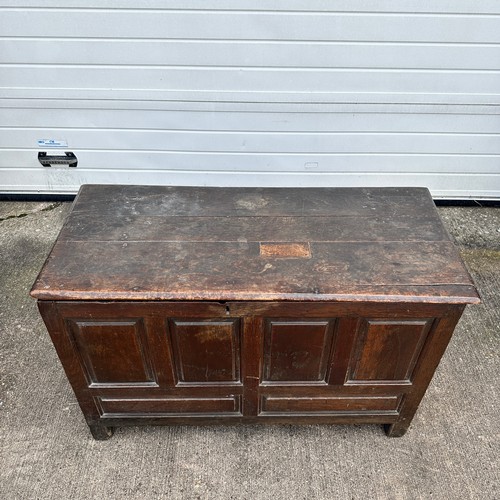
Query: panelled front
(144,360)
(174,360)
(345,365)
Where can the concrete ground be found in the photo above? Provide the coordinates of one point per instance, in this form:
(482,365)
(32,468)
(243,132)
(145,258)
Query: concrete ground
(450,452)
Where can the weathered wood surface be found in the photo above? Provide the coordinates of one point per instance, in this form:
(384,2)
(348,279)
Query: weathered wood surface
(166,362)
(171,243)
(300,305)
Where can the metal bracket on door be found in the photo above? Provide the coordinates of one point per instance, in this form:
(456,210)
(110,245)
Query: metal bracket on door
(48,160)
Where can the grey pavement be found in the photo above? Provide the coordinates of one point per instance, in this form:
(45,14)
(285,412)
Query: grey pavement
(46,452)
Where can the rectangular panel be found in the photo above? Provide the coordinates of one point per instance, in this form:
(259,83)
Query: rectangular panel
(340,119)
(409,7)
(442,172)
(166,406)
(266,26)
(113,352)
(296,351)
(387,350)
(206,351)
(258,142)
(327,143)
(286,250)
(272,404)
(249,53)
(252,229)
(256,82)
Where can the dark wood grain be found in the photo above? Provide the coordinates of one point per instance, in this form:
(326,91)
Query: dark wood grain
(121,201)
(113,351)
(206,351)
(287,228)
(215,305)
(166,243)
(387,349)
(421,271)
(315,405)
(296,350)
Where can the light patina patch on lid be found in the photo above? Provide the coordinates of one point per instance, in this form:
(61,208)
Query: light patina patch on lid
(286,250)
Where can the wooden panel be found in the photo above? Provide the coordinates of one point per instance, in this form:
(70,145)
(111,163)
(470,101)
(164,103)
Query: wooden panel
(255,229)
(164,406)
(305,405)
(206,351)
(113,352)
(296,351)
(253,333)
(169,201)
(194,271)
(221,262)
(433,349)
(387,350)
(355,402)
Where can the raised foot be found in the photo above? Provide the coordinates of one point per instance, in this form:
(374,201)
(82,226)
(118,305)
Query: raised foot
(395,430)
(101,432)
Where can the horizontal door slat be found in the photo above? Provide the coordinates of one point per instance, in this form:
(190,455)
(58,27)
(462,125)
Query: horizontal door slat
(255,81)
(306,54)
(269,25)
(356,119)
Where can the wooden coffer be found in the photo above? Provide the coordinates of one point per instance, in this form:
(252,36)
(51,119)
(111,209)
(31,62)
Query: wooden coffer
(218,305)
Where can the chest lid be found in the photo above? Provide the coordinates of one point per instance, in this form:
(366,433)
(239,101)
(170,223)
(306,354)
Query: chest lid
(201,243)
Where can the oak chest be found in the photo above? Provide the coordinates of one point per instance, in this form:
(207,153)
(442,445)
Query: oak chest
(171,305)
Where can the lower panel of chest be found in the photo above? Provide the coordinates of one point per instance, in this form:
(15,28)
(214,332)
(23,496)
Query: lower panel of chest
(304,405)
(165,406)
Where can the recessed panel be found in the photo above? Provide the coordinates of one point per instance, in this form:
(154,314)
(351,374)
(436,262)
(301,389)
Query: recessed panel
(296,351)
(206,351)
(309,405)
(113,352)
(387,350)
(133,407)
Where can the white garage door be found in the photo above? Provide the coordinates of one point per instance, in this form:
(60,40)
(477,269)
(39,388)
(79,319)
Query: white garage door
(252,92)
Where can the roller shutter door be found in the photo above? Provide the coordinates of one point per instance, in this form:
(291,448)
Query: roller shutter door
(252,92)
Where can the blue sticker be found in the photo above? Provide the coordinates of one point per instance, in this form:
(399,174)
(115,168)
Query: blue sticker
(52,143)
